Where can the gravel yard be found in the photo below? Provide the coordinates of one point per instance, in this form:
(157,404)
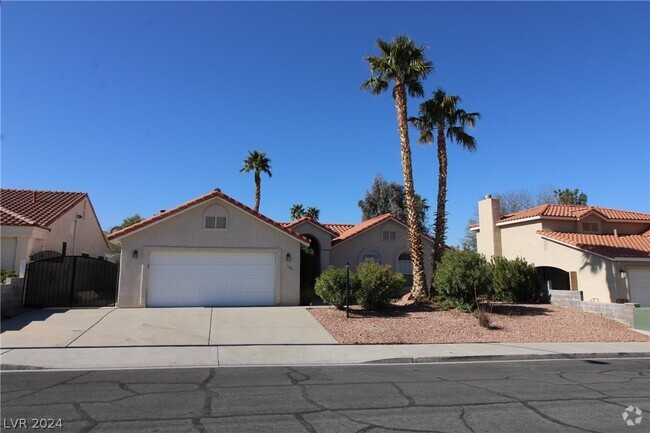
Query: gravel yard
(424,324)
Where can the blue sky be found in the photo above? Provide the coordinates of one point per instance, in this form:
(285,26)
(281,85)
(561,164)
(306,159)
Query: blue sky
(148,105)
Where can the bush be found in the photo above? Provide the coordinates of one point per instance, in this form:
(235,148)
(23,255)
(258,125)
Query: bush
(330,286)
(379,285)
(462,277)
(513,280)
(5,273)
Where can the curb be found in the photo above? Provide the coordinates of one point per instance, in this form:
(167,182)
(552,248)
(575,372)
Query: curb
(522,357)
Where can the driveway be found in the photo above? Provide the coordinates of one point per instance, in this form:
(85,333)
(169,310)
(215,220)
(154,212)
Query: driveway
(115,327)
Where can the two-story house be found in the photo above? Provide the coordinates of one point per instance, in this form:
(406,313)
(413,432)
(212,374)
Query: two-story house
(603,252)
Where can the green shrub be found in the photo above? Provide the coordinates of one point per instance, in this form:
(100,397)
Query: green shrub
(330,286)
(461,277)
(5,273)
(513,280)
(379,285)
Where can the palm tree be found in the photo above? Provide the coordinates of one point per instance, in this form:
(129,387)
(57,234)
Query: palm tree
(441,114)
(297,211)
(402,63)
(259,163)
(312,213)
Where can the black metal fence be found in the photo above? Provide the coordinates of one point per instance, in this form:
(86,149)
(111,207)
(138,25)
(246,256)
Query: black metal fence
(70,281)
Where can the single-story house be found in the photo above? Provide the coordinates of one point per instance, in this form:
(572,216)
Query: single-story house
(33,221)
(605,253)
(216,251)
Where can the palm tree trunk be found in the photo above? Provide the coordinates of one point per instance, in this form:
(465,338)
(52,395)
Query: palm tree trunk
(441,211)
(415,236)
(258,190)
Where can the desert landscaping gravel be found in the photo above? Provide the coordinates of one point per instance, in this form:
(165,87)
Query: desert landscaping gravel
(425,324)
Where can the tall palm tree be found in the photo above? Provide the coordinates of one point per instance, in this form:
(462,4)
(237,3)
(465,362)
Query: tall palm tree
(442,115)
(297,211)
(312,213)
(403,64)
(258,163)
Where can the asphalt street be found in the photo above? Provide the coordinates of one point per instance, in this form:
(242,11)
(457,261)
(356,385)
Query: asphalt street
(516,396)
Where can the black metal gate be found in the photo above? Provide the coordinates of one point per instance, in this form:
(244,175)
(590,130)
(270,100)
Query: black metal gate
(70,281)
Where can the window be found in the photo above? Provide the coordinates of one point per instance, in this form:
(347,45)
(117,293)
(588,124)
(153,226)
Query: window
(389,235)
(215,217)
(590,227)
(212,222)
(404,265)
(371,255)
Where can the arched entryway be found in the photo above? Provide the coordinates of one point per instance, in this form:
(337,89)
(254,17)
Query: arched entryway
(559,278)
(309,270)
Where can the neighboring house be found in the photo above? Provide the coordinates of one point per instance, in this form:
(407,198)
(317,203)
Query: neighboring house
(34,221)
(215,251)
(383,239)
(605,253)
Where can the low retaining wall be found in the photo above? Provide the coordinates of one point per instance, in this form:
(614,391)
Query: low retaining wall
(623,313)
(11,297)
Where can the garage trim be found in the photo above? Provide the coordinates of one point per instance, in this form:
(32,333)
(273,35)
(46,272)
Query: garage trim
(147,250)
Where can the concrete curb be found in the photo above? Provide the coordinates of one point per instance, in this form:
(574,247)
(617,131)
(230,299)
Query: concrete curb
(525,357)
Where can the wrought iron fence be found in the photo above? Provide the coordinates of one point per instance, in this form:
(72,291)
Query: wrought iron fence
(70,281)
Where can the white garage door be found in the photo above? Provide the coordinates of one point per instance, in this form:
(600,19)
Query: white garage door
(210,278)
(639,283)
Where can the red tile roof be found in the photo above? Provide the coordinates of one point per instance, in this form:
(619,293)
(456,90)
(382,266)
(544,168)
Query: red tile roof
(311,220)
(338,228)
(611,246)
(576,212)
(199,200)
(26,207)
(361,227)
(342,232)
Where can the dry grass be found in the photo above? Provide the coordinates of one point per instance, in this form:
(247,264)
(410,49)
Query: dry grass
(508,323)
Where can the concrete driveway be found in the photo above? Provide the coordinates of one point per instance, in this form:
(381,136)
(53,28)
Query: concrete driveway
(115,327)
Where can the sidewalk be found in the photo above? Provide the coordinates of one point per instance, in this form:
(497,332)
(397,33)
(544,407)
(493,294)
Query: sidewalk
(77,358)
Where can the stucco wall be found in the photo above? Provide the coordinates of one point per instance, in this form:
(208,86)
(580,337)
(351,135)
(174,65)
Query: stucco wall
(353,249)
(186,229)
(597,277)
(18,243)
(89,236)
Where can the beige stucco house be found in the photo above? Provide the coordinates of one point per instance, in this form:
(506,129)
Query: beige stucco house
(216,251)
(383,239)
(605,253)
(34,221)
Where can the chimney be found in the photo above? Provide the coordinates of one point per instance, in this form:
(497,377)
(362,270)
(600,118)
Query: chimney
(488,238)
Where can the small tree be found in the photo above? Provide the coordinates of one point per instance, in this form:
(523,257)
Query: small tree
(575,197)
(461,278)
(378,285)
(513,280)
(384,197)
(330,286)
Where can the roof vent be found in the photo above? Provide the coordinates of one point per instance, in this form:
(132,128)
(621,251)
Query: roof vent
(488,196)
(217,189)
(615,233)
(34,195)
(162,211)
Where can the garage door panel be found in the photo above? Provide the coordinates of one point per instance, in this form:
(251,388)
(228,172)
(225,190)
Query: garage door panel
(211,278)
